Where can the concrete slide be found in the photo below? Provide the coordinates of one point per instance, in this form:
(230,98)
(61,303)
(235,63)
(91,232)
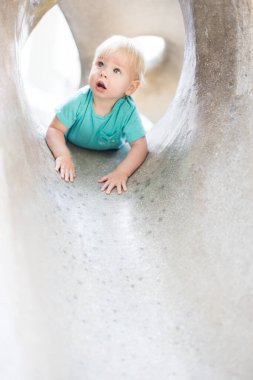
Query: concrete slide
(155,284)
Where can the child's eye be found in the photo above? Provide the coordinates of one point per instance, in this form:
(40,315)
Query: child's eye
(100,63)
(116,71)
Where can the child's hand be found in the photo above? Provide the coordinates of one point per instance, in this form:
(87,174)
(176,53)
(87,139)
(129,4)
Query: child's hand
(114,179)
(64,164)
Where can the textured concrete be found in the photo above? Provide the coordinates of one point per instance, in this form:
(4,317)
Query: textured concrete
(155,284)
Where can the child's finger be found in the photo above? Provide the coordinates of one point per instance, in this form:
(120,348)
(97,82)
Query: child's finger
(57,165)
(119,188)
(62,171)
(71,176)
(105,186)
(66,177)
(109,188)
(73,172)
(103,179)
(124,186)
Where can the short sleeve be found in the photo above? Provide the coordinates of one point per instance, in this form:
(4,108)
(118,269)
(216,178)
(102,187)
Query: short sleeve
(133,130)
(67,112)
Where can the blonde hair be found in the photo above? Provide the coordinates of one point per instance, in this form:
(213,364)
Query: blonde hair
(126,46)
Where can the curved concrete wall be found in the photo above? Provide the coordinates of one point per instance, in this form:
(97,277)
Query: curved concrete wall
(156,284)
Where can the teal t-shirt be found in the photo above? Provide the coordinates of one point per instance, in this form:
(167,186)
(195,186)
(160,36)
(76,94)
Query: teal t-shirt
(89,130)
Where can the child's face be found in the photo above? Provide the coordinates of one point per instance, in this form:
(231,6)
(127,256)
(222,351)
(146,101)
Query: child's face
(112,77)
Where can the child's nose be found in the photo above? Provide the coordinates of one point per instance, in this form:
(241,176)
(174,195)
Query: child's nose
(103,74)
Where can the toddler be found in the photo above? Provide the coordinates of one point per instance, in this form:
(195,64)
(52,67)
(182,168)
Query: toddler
(103,115)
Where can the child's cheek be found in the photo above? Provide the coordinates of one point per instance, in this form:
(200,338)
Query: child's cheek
(91,75)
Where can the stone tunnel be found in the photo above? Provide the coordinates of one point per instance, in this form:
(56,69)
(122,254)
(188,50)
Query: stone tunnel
(155,284)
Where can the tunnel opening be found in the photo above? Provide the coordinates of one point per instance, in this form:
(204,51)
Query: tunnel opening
(51,66)
(153,49)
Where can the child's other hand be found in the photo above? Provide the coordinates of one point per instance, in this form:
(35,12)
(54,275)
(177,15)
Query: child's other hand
(116,179)
(64,164)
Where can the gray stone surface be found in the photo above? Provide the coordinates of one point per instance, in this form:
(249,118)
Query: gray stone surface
(155,284)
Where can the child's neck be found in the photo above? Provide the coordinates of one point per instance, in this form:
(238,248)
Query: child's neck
(103,106)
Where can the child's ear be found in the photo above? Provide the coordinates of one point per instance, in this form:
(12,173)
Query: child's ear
(132,87)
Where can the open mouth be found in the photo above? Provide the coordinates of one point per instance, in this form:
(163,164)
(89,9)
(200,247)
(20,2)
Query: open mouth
(100,84)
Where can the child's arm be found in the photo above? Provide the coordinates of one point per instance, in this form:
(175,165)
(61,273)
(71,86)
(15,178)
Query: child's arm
(56,142)
(118,178)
